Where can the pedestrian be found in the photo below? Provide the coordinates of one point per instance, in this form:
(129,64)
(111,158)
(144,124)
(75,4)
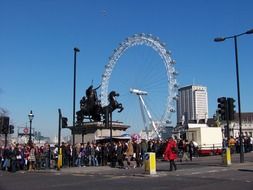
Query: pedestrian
(129,153)
(104,154)
(94,160)
(144,149)
(13,158)
(47,155)
(231,144)
(32,158)
(180,149)
(171,153)
(191,149)
(186,151)
(120,155)
(6,157)
(137,152)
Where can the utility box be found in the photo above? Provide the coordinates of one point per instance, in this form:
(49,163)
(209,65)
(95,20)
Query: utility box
(150,163)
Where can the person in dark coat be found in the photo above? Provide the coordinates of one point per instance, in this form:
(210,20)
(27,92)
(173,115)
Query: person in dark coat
(137,151)
(120,155)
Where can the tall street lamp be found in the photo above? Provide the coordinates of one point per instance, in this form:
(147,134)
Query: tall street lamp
(74,94)
(30,116)
(221,39)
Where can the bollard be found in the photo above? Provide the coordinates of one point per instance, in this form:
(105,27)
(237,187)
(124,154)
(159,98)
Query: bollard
(59,160)
(150,163)
(227,157)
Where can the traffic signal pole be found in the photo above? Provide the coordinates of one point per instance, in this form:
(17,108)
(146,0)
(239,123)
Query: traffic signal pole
(227,161)
(226,111)
(74,96)
(227,120)
(59,140)
(59,128)
(239,102)
(5,140)
(221,39)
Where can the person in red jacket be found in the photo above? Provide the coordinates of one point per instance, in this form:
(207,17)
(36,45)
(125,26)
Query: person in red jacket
(171,153)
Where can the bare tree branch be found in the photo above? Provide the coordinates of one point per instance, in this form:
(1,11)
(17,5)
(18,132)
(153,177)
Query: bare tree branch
(4,112)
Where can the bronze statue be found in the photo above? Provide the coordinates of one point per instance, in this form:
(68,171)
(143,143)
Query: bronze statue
(90,105)
(113,104)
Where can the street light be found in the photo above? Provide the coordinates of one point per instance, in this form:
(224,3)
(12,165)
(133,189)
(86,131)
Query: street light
(30,116)
(221,39)
(74,93)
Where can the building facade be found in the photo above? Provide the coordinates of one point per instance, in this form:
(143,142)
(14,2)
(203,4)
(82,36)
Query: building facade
(246,124)
(192,104)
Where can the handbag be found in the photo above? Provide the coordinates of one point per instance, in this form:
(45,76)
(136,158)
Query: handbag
(174,149)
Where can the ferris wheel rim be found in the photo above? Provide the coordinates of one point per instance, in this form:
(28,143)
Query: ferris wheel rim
(153,42)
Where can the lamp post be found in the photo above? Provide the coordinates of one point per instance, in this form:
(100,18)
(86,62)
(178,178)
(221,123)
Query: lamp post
(30,116)
(221,39)
(74,94)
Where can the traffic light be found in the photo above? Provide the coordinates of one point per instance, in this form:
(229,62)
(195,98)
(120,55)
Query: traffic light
(4,123)
(5,129)
(11,129)
(231,109)
(64,123)
(222,108)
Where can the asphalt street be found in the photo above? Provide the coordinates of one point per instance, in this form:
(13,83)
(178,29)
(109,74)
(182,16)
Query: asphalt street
(202,173)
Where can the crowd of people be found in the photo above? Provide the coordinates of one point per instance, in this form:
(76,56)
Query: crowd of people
(121,154)
(234,144)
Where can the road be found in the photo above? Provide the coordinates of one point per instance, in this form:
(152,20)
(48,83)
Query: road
(203,173)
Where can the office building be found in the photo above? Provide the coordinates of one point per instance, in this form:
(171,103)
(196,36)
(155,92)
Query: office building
(192,104)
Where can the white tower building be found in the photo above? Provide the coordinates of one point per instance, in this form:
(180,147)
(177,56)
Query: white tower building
(192,103)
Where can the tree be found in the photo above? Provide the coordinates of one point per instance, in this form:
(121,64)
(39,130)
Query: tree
(4,112)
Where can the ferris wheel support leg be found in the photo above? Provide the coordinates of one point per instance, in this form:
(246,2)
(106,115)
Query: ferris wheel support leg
(150,117)
(143,117)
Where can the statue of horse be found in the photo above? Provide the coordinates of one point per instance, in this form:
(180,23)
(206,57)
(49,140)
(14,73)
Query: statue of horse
(90,106)
(113,103)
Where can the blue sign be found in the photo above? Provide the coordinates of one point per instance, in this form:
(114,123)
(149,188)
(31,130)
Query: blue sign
(146,156)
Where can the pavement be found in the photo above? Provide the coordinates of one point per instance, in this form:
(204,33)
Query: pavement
(199,165)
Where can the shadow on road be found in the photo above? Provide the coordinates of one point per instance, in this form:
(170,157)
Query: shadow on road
(189,164)
(245,170)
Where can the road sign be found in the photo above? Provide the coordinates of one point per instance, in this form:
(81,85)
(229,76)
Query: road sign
(25,130)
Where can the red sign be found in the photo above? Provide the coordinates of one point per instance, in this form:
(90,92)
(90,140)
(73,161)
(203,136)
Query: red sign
(25,130)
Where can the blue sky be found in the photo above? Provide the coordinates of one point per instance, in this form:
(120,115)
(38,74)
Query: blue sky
(37,38)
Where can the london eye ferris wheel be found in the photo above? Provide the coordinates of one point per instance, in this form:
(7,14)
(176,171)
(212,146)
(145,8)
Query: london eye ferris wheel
(142,62)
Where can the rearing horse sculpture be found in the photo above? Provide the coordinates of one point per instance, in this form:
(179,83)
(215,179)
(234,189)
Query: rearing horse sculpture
(90,106)
(113,103)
